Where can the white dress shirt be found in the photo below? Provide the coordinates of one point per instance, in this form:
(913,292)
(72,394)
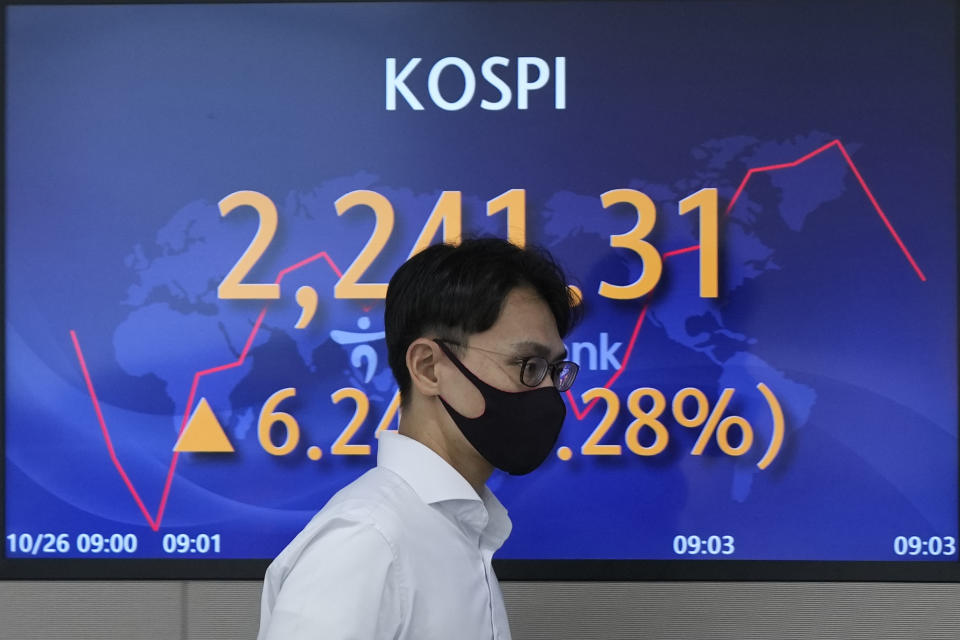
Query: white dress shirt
(403,552)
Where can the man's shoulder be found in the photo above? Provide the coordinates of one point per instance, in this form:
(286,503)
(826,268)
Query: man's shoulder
(379,497)
(374,502)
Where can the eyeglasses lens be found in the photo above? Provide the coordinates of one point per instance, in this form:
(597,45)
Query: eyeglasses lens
(566,374)
(534,371)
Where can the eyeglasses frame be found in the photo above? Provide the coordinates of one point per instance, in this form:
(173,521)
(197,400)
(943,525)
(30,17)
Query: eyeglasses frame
(552,368)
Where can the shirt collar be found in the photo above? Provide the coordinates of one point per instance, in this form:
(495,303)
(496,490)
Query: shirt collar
(435,481)
(499,524)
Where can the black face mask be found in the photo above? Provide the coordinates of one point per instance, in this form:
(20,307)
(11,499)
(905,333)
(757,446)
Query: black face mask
(516,431)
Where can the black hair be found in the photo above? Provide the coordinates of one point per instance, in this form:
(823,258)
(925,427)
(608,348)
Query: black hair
(458,290)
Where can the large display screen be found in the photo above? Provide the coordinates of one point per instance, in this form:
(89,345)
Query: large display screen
(756,201)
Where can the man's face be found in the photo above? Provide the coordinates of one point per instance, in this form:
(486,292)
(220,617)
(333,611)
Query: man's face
(525,328)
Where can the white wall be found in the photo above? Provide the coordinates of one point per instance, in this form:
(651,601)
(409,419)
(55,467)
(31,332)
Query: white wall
(538,610)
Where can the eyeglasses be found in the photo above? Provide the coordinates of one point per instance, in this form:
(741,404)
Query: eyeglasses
(533,369)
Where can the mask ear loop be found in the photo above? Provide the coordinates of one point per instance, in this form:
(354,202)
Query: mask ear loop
(477,382)
(463,369)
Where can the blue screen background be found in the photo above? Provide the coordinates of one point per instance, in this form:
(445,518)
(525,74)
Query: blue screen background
(125,125)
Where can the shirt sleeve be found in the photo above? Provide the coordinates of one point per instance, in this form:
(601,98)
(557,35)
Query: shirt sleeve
(343,586)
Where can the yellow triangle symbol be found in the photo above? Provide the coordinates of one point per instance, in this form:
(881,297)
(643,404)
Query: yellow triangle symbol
(203,432)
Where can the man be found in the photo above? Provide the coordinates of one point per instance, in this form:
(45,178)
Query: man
(473,336)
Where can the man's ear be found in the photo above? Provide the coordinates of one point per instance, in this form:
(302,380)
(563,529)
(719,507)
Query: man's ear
(422,357)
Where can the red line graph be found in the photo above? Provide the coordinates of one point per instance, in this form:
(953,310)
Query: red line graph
(580,414)
(863,185)
(106,434)
(155,521)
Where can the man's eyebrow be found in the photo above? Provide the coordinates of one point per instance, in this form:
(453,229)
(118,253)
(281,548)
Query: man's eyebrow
(539,349)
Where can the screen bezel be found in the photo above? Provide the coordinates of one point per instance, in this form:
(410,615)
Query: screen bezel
(511,570)
(616,570)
